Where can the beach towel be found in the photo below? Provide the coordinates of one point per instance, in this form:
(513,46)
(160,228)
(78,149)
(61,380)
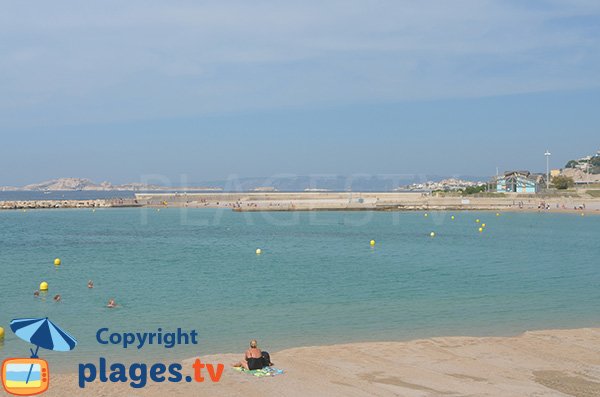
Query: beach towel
(266,371)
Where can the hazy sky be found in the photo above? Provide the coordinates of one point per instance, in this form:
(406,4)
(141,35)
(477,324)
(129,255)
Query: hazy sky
(115,90)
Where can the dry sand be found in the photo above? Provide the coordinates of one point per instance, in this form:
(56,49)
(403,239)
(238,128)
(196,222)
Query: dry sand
(539,363)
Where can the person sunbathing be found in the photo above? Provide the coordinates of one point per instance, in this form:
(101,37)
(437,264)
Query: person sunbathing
(253,359)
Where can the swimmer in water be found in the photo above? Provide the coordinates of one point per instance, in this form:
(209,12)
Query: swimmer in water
(90,284)
(57,298)
(111,304)
(36,294)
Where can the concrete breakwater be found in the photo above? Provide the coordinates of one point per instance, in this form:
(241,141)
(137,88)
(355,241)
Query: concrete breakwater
(47,204)
(377,201)
(325,201)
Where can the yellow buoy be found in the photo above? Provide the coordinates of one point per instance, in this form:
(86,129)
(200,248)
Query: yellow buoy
(477,220)
(426,215)
(372,243)
(57,262)
(258,251)
(43,286)
(432,234)
(480,229)
(582,214)
(483,225)
(452,217)
(497,214)
(1,333)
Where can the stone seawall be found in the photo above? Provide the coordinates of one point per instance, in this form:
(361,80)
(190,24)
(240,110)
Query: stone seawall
(384,201)
(324,201)
(48,204)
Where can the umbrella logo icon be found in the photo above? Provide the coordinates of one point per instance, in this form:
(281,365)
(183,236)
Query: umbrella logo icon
(31,376)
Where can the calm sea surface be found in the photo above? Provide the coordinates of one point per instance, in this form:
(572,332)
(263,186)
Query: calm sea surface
(317,282)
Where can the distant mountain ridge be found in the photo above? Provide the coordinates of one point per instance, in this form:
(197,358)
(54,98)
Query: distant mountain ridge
(69,184)
(77,184)
(287,183)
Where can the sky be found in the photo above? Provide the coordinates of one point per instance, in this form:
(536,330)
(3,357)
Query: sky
(202,90)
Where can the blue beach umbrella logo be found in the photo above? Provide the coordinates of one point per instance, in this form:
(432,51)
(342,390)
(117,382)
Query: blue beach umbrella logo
(31,376)
(42,332)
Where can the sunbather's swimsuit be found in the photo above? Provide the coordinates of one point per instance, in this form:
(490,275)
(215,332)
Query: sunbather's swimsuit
(255,363)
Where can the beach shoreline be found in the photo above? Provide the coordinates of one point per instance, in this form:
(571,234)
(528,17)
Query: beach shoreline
(560,362)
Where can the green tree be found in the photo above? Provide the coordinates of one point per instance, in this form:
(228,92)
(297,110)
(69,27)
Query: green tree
(571,164)
(595,165)
(562,182)
(475,189)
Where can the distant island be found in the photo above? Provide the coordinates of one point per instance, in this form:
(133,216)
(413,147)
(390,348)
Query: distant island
(80,184)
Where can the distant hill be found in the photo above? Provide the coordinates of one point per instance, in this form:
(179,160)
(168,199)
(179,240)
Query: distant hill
(579,176)
(588,164)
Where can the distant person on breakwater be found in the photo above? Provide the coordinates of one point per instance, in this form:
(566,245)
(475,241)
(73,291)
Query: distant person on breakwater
(111,304)
(254,358)
(90,284)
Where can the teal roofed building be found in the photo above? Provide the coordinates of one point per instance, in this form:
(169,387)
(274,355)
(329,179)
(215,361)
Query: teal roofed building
(519,182)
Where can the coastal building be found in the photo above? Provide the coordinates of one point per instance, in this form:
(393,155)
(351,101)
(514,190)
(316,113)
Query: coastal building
(264,189)
(446,185)
(519,182)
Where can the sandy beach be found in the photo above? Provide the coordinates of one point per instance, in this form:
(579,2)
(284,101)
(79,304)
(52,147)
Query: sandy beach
(538,363)
(391,198)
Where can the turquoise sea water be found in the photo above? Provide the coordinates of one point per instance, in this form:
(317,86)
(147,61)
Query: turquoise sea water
(317,282)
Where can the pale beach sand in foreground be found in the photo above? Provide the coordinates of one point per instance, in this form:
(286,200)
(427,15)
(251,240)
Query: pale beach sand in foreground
(537,363)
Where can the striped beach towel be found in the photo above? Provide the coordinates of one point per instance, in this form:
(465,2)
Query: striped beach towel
(266,371)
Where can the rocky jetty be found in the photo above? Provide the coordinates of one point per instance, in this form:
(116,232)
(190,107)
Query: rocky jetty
(42,204)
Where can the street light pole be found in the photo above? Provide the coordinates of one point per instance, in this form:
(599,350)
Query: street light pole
(547,154)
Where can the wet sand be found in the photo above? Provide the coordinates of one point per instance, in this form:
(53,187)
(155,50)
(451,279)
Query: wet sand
(539,363)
